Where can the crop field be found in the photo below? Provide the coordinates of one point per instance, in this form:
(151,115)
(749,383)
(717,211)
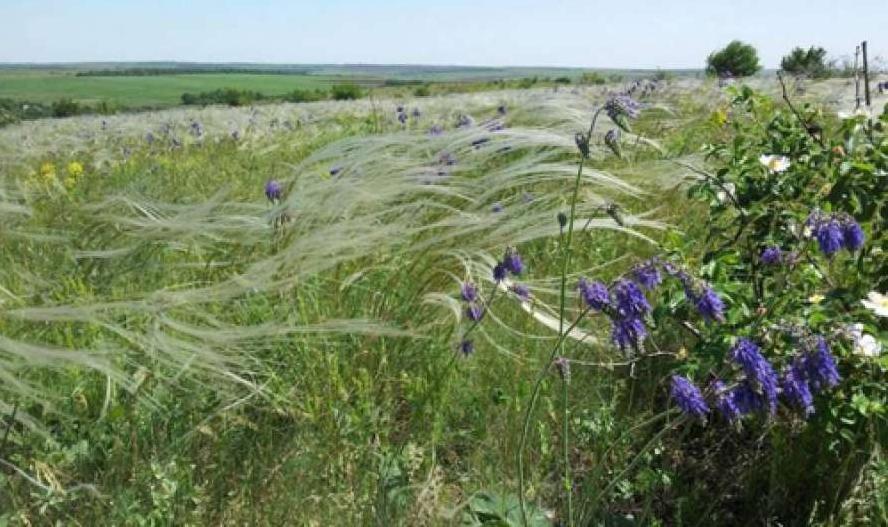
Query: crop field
(549,306)
(46,86)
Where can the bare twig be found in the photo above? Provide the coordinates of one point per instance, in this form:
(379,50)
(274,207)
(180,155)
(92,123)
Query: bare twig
(810,128)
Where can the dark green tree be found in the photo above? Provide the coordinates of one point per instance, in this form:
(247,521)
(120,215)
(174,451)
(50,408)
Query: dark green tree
(811,63)
(737,59)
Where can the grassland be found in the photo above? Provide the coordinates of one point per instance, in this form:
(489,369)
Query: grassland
(176,350)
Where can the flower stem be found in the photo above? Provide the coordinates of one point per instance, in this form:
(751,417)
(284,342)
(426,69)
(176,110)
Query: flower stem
(566,254)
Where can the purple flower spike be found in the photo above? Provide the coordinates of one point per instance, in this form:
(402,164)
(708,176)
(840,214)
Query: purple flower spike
(771,255)
(795,388)
(628,332)
(757,368)
(830,236)
(512,262)
(710,305)
(273,190)
(475,312)
(647,274)
(724,401)
(469,292)
(499,272)
(820,366)
(466,347)
(595,294)
(521,291)
(621,109)
(853,235)
(630,301)
(688,397)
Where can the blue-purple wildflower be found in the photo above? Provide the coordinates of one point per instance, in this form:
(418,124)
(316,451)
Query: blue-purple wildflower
(628,332)
(820,366)
(745,399)
(475,312)
(688,397)
(512,262)
(497,207)
(499,272)
(594,294)
(853,235)
(521,291)
(830,236)
(709,305)
(757,368)
(273,190)
(630,301)
(771,255)
(466,347)
(621,109)
(464,121)
(647,274)
(724,401)
(795,387)
(469,292)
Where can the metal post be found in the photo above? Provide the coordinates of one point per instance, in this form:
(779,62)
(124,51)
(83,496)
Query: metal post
(856,79)
(866,90)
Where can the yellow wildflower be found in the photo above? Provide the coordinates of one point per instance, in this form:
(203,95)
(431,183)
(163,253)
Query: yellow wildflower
(75,169)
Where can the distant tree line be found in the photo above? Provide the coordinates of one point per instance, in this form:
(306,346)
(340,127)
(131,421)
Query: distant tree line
(13,111)
(151,72)
(236,97)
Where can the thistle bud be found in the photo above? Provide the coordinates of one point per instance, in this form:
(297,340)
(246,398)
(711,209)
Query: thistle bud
(612,140)
(562,365)
(582,144)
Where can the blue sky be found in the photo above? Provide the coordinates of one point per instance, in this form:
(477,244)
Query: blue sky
(586,33)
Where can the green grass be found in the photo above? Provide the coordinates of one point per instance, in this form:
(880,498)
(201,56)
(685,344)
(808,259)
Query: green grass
(47,86)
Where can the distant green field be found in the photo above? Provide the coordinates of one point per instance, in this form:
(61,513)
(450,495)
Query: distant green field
(164,90)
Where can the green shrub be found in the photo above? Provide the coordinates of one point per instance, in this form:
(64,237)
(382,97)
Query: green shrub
(592,77)
(229,96)
(736,60)
(306,96)
(347,92)
(65,108)
(811,63)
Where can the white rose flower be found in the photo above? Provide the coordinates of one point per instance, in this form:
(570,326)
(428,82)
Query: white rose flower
(775,164)
(723,196)
(876,302)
